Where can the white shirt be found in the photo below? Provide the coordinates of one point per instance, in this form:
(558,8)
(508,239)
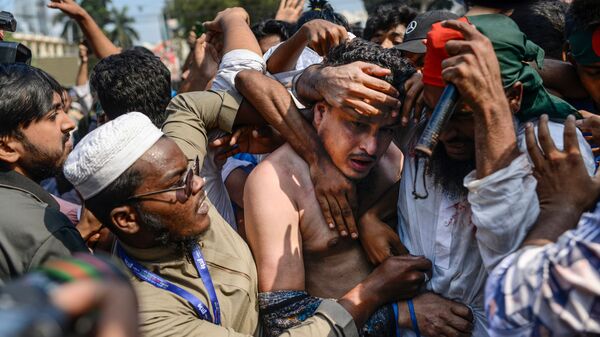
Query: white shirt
(466,237)
(231,64)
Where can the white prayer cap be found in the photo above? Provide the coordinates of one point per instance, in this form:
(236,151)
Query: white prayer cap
(108,151)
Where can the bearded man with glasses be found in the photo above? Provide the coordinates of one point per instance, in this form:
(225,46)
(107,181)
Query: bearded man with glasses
(193,274)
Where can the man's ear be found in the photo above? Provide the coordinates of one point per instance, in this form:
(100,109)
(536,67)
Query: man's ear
(319,110)
(8,150)
(124,218)
(515,96)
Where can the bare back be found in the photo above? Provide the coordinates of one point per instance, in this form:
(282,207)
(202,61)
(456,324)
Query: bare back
(293,247)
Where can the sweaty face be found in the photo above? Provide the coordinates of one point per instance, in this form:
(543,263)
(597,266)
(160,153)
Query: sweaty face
(164,166)
(355,143)
(46,143)
(268,42)
(389,38)
(457,138)
(590,78)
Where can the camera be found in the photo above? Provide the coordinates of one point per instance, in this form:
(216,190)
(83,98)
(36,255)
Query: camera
(12,52)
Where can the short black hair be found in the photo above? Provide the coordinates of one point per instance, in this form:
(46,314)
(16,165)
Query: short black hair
(321,9)
(26,95)
(114,195)
(388,16)
(585,14)
(133,80)
(366,51)
(272,27)
(543,21)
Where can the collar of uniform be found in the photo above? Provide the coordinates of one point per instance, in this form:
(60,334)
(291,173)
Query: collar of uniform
(155,254)
(13,180)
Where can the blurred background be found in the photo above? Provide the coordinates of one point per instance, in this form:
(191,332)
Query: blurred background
(159,25)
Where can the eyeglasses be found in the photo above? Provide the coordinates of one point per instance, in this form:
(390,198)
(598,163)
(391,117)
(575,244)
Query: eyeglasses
(183,192)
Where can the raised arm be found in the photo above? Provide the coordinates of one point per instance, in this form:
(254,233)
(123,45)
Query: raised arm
(565,189)
(334,191)
(557,259)
(232,23)
(193,114)
(203,65)
(319,35)
(82,73)
(99,43)
(474,69)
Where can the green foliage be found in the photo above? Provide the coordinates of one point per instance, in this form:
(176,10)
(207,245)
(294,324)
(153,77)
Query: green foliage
(122,33)
(190,12)
(419,5)
(105,15)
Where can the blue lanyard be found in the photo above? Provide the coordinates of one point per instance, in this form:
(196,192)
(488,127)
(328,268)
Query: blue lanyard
(145,275)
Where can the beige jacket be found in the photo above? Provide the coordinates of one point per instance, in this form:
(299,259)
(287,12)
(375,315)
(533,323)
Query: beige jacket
(228,257)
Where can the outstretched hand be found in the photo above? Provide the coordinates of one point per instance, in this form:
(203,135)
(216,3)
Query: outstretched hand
(356,88)
(83,52)
(473,67)
(322,35)
(590,126)
(206,58)
(289,10)
(336,195)
(563,180)
(69,7)
(224,16)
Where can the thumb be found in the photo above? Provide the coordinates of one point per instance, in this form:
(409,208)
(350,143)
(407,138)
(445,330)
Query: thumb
(586,114)
(201,39)
(220,141)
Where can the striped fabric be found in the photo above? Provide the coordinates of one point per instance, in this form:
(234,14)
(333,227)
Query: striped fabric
(81,266)
(552,290)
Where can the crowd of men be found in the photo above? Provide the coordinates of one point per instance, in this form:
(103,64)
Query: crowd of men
(280,189)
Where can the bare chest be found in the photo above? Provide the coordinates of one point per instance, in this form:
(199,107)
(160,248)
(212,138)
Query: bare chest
(333,264)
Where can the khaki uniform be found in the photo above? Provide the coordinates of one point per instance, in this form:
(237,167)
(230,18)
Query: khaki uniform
(229,259)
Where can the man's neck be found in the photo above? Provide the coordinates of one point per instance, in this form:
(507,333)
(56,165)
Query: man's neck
(22,172)
(147,252)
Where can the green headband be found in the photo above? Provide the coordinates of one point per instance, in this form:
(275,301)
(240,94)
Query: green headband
(513,51)
(585,46)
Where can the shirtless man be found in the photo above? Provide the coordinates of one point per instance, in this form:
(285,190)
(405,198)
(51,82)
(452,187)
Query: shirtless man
(299,259)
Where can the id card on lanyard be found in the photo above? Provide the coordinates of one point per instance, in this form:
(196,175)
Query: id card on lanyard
(201,309)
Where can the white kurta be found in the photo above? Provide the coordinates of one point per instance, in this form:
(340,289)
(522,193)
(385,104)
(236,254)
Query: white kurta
(465,237)
(232,63)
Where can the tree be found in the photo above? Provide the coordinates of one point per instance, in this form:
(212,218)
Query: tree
(98,9)
(122,33)
(189,13)
(419,5)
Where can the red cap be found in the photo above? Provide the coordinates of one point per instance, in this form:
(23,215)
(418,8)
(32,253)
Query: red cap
(436,52)
(596,41)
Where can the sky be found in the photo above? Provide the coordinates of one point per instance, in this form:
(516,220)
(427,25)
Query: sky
(148,17)
(148,14)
